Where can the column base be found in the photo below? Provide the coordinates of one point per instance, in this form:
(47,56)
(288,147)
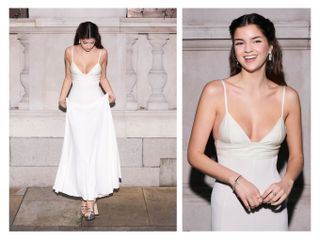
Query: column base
(157,106)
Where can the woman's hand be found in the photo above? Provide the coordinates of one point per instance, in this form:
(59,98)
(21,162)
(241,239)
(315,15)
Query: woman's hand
(62,103)
(111,97)
(277,192)
(248,193)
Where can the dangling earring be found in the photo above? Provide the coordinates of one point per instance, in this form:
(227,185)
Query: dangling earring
(79,41)
(236,61)
(270,56)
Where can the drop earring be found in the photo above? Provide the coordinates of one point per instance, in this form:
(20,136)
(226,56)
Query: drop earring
(270,56)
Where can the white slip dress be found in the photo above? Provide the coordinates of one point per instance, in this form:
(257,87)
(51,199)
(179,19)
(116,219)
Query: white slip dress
(89,165)
(255,161)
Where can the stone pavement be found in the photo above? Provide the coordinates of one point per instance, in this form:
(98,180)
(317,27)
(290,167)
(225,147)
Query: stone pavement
(129,209)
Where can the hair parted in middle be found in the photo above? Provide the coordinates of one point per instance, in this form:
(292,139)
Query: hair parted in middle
(88,30)
(274,69)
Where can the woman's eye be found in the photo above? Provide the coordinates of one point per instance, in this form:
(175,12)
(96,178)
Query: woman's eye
(258,41)
(238,43)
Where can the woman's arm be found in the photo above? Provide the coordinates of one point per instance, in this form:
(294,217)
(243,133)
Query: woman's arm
(67,80)
(202,127)
(211,98)
(295,161)
(104,81)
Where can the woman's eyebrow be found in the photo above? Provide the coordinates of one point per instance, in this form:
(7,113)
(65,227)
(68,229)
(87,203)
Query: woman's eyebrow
(256,37)
(253,38)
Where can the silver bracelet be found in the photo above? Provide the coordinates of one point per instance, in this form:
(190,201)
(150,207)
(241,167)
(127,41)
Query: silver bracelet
(235,183)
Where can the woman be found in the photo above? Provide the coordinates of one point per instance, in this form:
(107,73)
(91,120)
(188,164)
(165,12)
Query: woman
(89,166)
(249,114)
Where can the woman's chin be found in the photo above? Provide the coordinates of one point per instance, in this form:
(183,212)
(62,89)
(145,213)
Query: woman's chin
(252,68)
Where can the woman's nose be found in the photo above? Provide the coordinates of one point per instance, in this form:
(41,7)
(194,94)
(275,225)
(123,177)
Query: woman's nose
(247,48)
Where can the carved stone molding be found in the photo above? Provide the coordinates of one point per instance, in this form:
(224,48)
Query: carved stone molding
(225,44)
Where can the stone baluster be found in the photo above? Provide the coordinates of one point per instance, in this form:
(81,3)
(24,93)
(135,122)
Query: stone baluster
(157,74)
(131,74)
(24,75)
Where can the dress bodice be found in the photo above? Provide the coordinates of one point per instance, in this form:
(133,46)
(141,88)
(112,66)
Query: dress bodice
(85,86)
(251,159)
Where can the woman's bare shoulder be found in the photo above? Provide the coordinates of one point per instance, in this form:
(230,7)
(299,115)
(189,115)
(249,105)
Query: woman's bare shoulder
(292,96)
(67,52)
(104,52)
(292,101)
(212,95)
(68,49)
(213,89)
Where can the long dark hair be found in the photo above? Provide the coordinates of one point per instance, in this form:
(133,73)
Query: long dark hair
(274,69)
(88,30)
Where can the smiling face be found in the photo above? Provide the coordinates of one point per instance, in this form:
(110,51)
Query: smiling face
(251,47)
(87,44)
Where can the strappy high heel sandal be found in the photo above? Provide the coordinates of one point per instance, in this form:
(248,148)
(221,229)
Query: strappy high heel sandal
(83,208)
(95,209)
(89,215)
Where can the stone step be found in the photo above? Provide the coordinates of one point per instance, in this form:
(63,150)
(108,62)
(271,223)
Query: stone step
(129,209)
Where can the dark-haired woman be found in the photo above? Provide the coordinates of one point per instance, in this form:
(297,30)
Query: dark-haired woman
(89,166)
(250,114)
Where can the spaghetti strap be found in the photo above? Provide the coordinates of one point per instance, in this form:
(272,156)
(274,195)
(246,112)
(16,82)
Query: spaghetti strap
(99,55)
(283,95)
(225,96)
(72,54)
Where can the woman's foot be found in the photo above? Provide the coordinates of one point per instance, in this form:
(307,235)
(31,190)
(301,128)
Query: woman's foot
(89,215)
(83,208)
(95,209)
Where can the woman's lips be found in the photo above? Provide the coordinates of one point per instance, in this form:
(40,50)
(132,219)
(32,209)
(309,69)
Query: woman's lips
(249,59)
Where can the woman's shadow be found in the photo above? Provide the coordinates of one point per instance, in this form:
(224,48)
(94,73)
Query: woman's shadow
(198,185)
(197,181)
(298,186)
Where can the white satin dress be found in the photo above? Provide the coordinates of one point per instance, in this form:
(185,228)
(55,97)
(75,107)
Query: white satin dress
(89,165)
(255,161)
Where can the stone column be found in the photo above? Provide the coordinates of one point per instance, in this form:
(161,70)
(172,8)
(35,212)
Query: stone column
(131,74)
(157,74)
(24,75)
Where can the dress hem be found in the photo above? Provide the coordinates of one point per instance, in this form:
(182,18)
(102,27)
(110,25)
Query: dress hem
(78,196)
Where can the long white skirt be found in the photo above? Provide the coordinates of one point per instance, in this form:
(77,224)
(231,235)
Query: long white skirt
(89,166)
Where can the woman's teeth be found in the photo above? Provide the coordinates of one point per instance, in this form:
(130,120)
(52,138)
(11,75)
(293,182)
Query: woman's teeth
(250,58)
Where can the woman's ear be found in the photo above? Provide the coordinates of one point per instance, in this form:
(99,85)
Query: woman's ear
(270,49)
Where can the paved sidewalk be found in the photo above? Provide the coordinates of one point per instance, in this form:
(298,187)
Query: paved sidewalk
(129,209)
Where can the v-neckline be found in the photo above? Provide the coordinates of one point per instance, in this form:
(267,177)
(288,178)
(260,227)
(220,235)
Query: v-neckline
(83,72)
(247,136)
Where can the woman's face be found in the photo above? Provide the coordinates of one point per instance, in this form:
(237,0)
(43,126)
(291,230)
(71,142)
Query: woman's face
(251,47)
(87,44)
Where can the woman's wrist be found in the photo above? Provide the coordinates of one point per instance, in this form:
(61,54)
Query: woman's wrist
(62,102)
(288,180)
(235,182)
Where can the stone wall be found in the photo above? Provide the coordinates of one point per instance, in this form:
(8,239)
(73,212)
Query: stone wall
(206,46)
